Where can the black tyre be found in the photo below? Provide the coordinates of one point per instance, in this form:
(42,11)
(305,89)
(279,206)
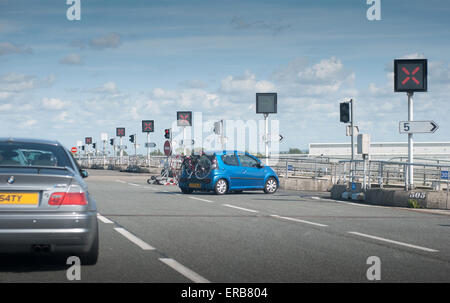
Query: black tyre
(91,257)
(202,168)
(221,187)
(271,186)
(186,191)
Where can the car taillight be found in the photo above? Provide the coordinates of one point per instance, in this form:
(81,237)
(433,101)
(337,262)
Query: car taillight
(67,199)
(214,164)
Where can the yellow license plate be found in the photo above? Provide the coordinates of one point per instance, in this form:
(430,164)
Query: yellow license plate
(195,185)
(19,198)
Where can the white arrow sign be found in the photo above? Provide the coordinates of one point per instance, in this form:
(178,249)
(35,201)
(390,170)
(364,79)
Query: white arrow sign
(150,144)
(414,127)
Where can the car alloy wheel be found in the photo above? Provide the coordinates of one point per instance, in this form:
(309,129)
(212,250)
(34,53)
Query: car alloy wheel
(221,187)
(271,186)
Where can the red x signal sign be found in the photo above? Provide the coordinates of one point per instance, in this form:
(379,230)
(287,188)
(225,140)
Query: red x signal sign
(410,75)
(147,126)
(184,118)
(120,132)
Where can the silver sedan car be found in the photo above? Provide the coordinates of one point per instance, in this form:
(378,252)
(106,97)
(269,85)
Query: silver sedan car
(45,206)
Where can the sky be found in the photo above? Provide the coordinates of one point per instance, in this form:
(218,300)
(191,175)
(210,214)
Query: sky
(127,61)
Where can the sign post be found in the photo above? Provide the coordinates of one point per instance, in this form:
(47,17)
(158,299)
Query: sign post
(410,75)
(120,132)
(266,103)
(148,126)
(184,119)
(346,116)
(88,141)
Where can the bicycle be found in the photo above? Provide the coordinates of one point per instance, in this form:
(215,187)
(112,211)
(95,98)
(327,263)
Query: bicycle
(202,167)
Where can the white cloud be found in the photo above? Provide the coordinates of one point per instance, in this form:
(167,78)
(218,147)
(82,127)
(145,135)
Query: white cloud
(107,88)
(7,48)
(14,82)
(28,123)
(53,103)
(5,107)
(72,59)
(245,84)
(111,40)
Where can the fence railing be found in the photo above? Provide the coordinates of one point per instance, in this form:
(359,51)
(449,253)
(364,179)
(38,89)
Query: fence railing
(431,173)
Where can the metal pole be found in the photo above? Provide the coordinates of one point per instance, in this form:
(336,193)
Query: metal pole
(184,140)
(121,151)
(135,151)
(410,142)
(266,131)
(222,129)
(104,153)
(148,149)
(352,164)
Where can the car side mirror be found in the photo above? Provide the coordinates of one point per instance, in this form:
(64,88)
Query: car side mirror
(259,165)
(84,174)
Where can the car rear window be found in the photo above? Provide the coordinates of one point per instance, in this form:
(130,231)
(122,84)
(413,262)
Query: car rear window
(32,154)
(230,160)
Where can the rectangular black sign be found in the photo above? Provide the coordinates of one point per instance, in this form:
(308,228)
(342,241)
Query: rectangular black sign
(266,103)
(184,118)
(120,132)
(148,126)
(410,75)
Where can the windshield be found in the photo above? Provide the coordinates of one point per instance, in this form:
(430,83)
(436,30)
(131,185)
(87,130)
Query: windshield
(32,154)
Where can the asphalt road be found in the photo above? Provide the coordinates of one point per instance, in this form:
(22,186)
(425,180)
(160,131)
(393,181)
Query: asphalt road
(151,233)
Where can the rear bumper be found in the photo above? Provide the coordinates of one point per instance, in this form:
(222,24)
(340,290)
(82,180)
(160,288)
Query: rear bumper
(205,184)
(72,232)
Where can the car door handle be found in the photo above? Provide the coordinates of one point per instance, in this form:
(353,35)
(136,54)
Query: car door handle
(244,171)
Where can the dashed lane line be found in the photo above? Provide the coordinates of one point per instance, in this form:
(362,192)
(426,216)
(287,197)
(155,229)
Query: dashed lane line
(191,275)
(393,242)
(204,200)
(298,220)
(104,219)
(241,208)
(134,239)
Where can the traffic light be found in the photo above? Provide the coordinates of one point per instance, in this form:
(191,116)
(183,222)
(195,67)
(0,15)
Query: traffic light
(82,147)
(345,112)
(94,145)
(132,138)
(167,133)
(111,141)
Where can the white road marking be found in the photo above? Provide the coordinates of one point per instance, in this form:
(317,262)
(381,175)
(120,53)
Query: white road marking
(298,220)
(358,204)
(150,188)
(104,219)
(193,276)
(133,238)
(241,208)
(204,200)
(393,242)
(315,198)
(134,184)
(120,181)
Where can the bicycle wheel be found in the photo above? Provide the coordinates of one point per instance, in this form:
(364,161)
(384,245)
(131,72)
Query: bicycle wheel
(186,166)
(203,168)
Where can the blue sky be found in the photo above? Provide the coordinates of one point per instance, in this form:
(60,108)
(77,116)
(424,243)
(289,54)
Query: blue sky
(126,61)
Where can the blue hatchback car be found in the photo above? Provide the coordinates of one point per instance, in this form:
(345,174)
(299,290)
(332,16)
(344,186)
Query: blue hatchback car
(231,171)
